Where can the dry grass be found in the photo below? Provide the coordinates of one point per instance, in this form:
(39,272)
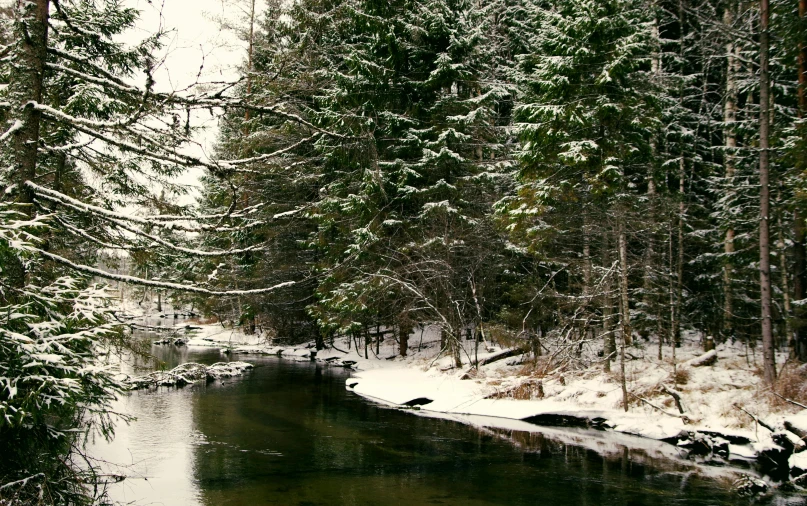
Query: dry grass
(524,391)
(681,376)
(791,384)
(203,320)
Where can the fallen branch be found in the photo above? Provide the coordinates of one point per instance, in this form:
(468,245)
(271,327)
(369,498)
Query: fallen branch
(755,417)
(187,373)
(802,406)
(683,418)
(676,395)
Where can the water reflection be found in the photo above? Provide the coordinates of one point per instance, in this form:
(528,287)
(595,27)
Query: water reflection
(289,433)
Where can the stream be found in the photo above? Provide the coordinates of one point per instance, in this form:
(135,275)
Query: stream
(289,433)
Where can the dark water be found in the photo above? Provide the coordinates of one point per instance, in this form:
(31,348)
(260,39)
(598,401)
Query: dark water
(289,433)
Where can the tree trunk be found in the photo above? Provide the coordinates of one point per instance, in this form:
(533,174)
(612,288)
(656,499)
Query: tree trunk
(26,86)
(769,360)
(586,261)
(673,307)
(609,342)
(799,251)
(403,338)
(780,245)
(623,280)
(730,143)
(250,53)
(799,283)
(623,379)
(679,267)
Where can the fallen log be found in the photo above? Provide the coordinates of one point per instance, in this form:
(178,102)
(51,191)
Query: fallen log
(501,356)
(708,358)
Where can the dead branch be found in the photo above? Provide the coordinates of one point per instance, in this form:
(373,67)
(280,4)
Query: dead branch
(683,418)
(675,395)
(802,406)
(755,417)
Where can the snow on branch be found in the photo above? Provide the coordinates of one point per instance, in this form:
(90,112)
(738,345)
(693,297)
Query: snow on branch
(178,217)
(16,126)
(91,238)
(63,199)
(268,156)
(86,269)
(87,64)
(189,251)
(63,117)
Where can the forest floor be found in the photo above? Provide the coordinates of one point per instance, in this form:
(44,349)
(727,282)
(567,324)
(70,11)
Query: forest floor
(726,408)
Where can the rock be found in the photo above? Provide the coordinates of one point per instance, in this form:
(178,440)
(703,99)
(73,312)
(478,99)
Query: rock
(787,486)
(720,447)
(420,401)
(697,444)
(798,464)
(731,438)
(674,440)
(555,420)
(782,439)
(797,423)
(773,461)
(801,481)
(747,486)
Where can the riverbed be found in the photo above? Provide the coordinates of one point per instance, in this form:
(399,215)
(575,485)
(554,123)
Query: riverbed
(289,433)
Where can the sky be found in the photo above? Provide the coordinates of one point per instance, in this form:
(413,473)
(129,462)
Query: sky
(196,39)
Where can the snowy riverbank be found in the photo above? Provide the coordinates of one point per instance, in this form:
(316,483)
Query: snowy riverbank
(516,393)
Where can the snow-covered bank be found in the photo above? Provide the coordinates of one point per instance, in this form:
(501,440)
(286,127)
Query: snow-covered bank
(188,373)
(709,434)
(517,392)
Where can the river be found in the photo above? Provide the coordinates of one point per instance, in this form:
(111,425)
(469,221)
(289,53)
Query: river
(289,433)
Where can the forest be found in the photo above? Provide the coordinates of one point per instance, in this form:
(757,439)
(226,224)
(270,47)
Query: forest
(562,175)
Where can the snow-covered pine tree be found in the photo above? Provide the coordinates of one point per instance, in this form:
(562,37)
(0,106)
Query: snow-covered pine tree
(587,121)
(403,218)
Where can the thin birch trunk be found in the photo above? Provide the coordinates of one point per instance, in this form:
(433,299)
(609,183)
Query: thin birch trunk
(609,342)
(780,244)
(679,267)
(730,142)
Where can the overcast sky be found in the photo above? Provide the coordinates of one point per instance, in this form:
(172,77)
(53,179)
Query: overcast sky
(196,38)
